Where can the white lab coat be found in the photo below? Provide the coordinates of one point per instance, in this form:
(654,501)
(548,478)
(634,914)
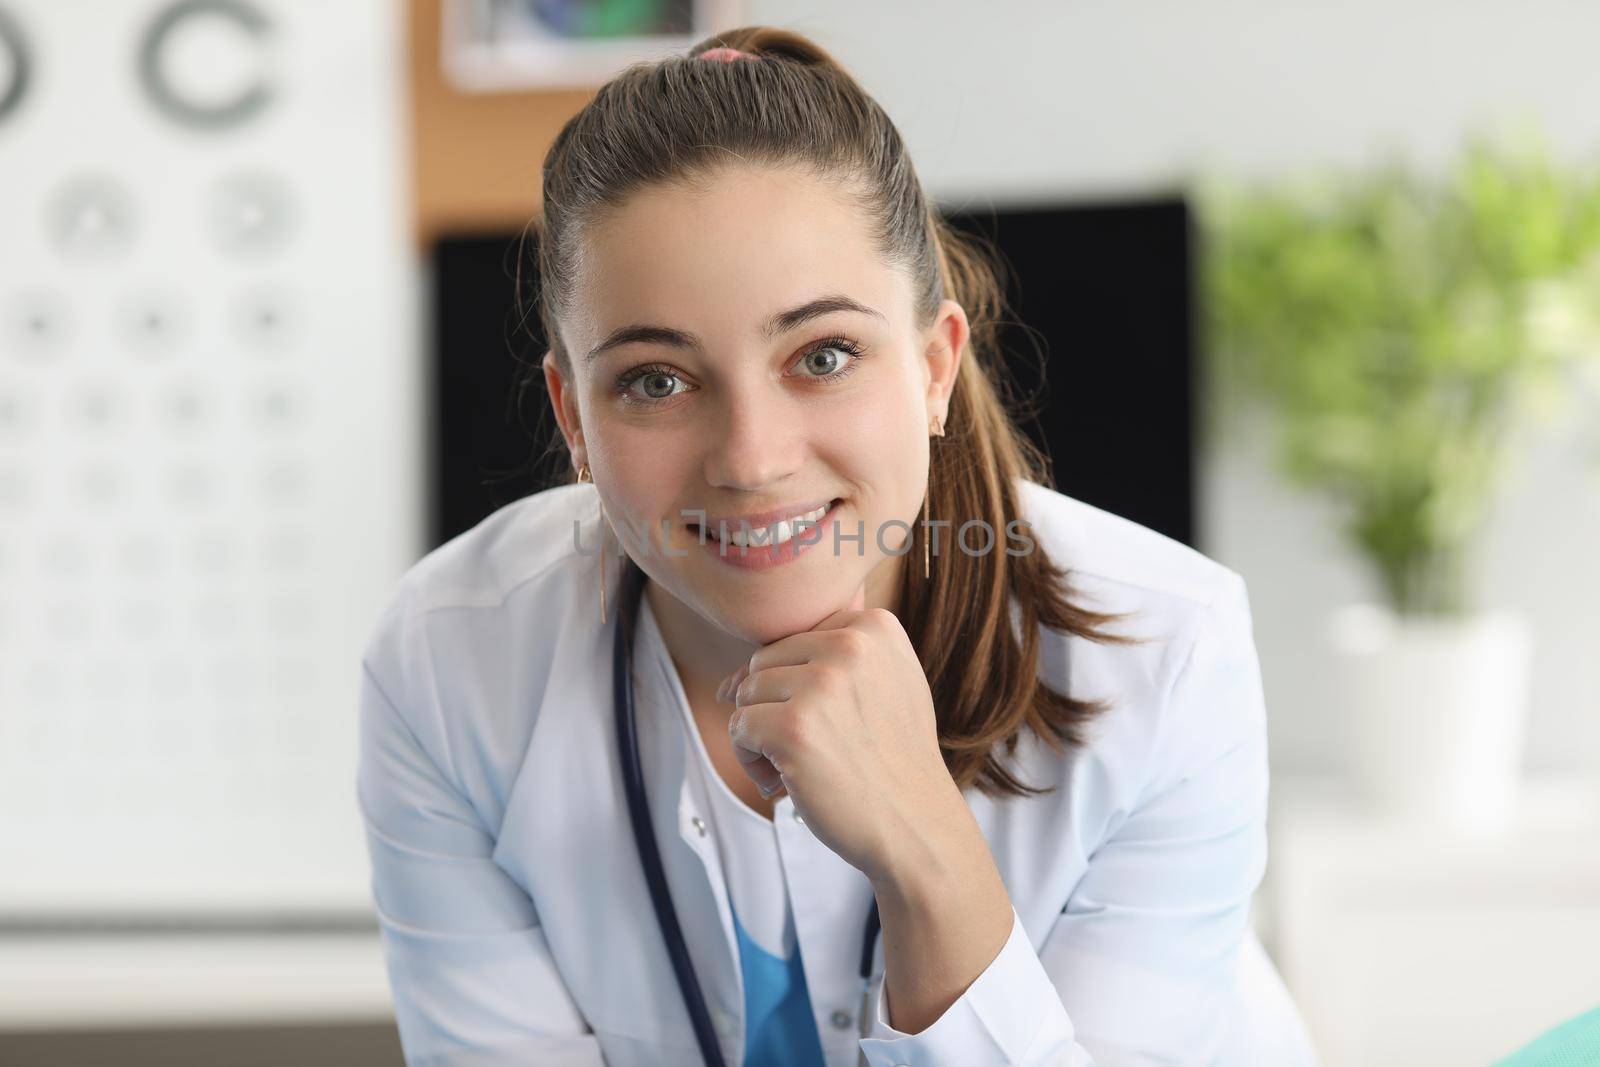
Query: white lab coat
(515,916)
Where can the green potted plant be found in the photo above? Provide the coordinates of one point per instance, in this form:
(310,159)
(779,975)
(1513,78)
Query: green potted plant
(1402,328)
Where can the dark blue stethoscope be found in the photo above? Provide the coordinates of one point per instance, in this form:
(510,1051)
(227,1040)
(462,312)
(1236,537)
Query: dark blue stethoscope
(644,837)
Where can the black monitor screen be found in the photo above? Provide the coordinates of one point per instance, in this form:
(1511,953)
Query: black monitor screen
(1100,344)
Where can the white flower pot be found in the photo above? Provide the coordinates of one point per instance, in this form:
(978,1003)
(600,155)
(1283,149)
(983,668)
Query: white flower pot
(1435,713)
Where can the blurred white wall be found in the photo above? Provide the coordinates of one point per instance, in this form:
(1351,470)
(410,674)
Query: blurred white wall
(1093,98)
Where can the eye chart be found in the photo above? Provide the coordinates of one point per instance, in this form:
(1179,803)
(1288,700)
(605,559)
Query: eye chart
(211,460)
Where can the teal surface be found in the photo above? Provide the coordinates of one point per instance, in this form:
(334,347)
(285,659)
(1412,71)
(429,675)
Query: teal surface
(1575,1043)
(779,1028)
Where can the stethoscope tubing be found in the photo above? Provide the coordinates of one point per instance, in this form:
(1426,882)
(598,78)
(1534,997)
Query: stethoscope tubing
(644,834)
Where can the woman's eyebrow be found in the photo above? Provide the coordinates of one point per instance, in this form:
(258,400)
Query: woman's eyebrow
(778,324)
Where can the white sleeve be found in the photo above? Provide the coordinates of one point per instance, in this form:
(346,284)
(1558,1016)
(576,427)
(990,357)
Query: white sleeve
(473,981)
(1010,1015)
(1142,965)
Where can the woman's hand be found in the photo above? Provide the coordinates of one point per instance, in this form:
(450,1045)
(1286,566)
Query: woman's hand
(841,716)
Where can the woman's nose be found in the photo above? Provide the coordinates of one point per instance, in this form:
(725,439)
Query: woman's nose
(758,440)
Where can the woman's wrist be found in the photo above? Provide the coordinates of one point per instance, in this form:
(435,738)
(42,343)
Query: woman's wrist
(926,848)
(945,914)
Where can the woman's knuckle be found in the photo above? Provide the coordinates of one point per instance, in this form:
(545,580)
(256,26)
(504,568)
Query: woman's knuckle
(854,643)
(827,676)
(797,727)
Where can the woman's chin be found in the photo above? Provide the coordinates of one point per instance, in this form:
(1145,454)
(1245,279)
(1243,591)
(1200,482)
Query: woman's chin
(760,625)
(765,629)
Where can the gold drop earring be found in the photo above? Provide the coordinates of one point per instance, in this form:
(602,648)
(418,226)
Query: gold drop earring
(935,429)
(584,476)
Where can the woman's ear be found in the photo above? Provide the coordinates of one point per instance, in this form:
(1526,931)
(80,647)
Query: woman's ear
(947,339)
(564,401)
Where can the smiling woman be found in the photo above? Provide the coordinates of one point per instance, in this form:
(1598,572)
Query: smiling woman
(699,219)
(774,372)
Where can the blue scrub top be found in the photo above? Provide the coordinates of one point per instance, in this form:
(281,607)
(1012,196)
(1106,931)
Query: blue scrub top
(780,1030)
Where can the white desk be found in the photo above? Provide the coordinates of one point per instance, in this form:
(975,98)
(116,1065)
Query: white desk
(1409,947)
(80,982)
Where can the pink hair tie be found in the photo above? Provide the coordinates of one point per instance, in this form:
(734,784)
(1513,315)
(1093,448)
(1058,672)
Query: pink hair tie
(725,55)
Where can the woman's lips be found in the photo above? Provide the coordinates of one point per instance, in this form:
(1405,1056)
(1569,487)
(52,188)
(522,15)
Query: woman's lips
(769,517)
(730,530)
(764,557)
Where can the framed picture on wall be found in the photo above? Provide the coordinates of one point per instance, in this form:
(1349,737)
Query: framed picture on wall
(508,45)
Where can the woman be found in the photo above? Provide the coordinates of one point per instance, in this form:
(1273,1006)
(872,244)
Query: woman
(845,582)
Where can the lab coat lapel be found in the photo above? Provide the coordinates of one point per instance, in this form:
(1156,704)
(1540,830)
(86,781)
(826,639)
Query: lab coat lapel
(831,900)
(707,913)
(568,840)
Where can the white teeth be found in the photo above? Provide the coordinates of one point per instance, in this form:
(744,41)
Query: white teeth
(777,533)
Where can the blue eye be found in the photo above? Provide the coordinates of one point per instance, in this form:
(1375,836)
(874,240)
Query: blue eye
(655,378)
(827,361)
(829,370)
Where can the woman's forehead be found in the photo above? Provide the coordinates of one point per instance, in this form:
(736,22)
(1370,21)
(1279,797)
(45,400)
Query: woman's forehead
(729,254)
(744,220)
